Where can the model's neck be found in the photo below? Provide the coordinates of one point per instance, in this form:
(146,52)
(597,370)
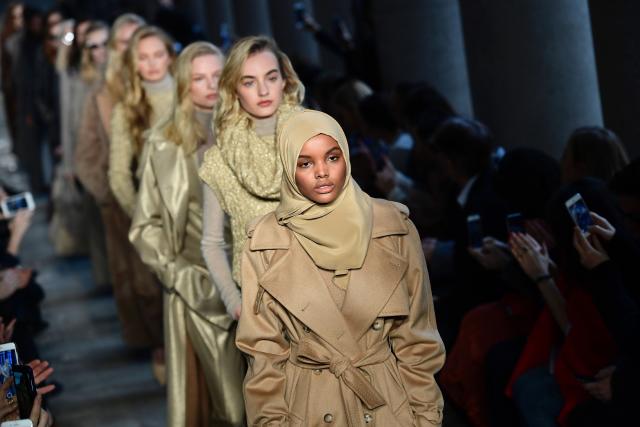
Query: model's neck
(158,85)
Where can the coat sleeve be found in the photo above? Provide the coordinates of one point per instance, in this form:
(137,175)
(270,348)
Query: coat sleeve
(147,232)
(90,153)
(416,342)
(260,337)
(121,156)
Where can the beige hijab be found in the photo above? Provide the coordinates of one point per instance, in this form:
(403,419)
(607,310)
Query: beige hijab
(335,235)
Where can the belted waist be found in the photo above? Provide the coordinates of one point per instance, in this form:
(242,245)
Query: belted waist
(311,355)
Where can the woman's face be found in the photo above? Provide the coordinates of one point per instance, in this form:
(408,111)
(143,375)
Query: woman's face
(205,73)
(81,32)
(152,59)
(123,35)
(97,46)
(321,169)
(261,84)
(17,17)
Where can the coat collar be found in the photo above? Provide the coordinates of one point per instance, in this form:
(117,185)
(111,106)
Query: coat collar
(295,282)
(174,170)
(389,218)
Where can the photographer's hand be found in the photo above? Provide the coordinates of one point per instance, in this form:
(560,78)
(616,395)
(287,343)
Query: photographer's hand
(602,227)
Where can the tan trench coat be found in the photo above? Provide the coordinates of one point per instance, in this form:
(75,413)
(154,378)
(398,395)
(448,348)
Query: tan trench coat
(166,230)
(312,364)
(138,295)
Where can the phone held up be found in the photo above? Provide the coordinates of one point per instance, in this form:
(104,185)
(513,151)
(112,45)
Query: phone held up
(474,229)
(8,359)
(11,205)
(17,423)
(25,389)
(515,223)
(579,212)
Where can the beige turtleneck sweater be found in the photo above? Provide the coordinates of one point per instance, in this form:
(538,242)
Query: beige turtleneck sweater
(122,148)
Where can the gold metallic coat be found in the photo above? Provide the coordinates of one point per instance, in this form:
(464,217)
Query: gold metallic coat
(166,230)
(365,359)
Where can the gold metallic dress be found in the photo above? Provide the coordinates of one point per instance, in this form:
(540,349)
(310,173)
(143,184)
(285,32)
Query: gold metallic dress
(199,337)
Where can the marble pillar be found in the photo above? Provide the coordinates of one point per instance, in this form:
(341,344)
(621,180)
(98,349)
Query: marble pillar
(532,69)
(422,40)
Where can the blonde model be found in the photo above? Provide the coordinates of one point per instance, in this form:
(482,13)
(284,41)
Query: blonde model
(148,95)
(138,298)
(166,230)
(259,90)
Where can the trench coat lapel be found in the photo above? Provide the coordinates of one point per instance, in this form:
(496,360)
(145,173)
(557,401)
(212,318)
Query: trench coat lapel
(172,171)
(295,282)
(371,287)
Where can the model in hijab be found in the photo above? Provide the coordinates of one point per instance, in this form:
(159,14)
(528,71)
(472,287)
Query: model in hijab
(337,314)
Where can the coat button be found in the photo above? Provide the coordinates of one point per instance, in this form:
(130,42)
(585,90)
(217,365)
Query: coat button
(306,329)
(328,418)
(377,325)
(317,371)
(368,418)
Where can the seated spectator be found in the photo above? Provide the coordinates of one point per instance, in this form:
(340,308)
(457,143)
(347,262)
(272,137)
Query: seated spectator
(612,387)
(526,179)
(380,124)
(593,152)
(571,340)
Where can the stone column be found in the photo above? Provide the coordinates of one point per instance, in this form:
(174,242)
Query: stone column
(296,43)
(616,39)
(422,40)
(532,69)
(216,14)
(251,17)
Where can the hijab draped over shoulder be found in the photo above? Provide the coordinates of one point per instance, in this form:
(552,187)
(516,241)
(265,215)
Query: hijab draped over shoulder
(335,235)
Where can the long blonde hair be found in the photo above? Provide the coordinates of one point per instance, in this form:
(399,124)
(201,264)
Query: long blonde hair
(137,110)
(181,127)
(89,71)
(114,79)
(228,109)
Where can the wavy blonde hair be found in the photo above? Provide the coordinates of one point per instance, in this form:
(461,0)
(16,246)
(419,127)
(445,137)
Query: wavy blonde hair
(228,109)
(180,127)
(89,71)
(137,110)
(114,78)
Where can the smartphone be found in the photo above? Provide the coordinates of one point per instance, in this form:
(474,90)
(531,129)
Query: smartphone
(25,388)
(11,205)
(299,11)
(515,223)
(579,212)
(474,227)
(17,423)
(8,358)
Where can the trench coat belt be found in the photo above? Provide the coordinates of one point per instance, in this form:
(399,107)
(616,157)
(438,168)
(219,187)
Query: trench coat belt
(310,355)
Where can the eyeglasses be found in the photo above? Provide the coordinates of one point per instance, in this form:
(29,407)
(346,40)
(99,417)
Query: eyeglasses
(96,46)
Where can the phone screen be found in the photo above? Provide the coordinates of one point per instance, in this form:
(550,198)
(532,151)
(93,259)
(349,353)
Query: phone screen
(14,204)
(8,358)
(25,389)
(580,214)
(515,223)
(474,227)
